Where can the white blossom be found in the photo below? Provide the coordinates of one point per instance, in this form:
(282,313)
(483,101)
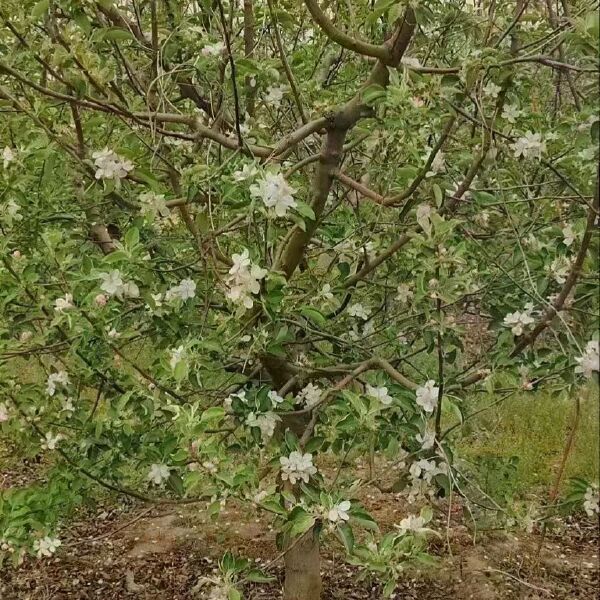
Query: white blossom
(50,442)
(248,171)
(411,523)
(4,414)
(359,311)
(54,379)
(61,304)
(244,280)
(423,216)
(154,204)
(113,285)
(177,355)
(530,145)
(110,165)
(212,50)
(184,290)
(275,192)
(427,396)
(275,398)
(8,156)
(68,407)
(426,439)
(517,320)
(591,501)
(568,235)
(274,95)
(590,360)
(326,293)
(339,512)
(410,61)
(296,467)
(158,473)
(46,546)
(510,113)
(560,268)
(379,393)
(492,90)
(404,293)
(310,395)
(438,165)
(265,422)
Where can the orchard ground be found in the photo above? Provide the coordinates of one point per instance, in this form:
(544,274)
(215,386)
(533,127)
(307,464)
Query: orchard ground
(114,548)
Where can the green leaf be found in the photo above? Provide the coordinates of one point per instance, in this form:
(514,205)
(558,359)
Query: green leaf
(233,594)
(132,237)
(175,483)
(313,315)
(346,536)
(210,414)
(373,93)
(305,210)
(116,34)
(437,194)
(302,522)
(40,9)
(259,577)
(314,444)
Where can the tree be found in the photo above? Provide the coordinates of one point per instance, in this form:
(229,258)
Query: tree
(239,238)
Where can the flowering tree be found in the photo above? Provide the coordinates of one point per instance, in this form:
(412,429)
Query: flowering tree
(240,240)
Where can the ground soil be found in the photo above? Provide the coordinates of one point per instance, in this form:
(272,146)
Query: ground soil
(135,552)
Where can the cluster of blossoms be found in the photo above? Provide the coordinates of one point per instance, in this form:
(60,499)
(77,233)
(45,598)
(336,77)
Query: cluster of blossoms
(309,395)
(153,205)
(359,311)
(590,360)
(113,285)
(297,467)
(184,290)
(50,441)
(511,113)
(517,321)
(591,501)
(158,473)
(530,145)
(568,235)
(54,379)
(404,293)
(274,95)
(46,546)
(266,422)
(379,393)
(427,396)
(421,474)
(4,414)
(248,171)
(110,165)
(244,279)
(559,269)
(275,192)
(339,512)
(275,398)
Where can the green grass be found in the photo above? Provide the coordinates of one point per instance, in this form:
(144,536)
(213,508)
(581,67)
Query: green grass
(517,446)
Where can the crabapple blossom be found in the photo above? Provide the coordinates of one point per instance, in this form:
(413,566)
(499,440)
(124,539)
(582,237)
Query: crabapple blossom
(517,320)
(427,396)
(275,192)
(339,512)
(359,311)
(46,546)
(158,473)
(297,467)
(379,393)
(310,395)
(62,304)
(54,379)
(110,165)
(590,360)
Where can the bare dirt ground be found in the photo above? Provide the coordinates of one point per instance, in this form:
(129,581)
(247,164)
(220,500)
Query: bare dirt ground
(135,552)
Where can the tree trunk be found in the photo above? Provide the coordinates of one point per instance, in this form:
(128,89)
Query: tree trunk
(303,569)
